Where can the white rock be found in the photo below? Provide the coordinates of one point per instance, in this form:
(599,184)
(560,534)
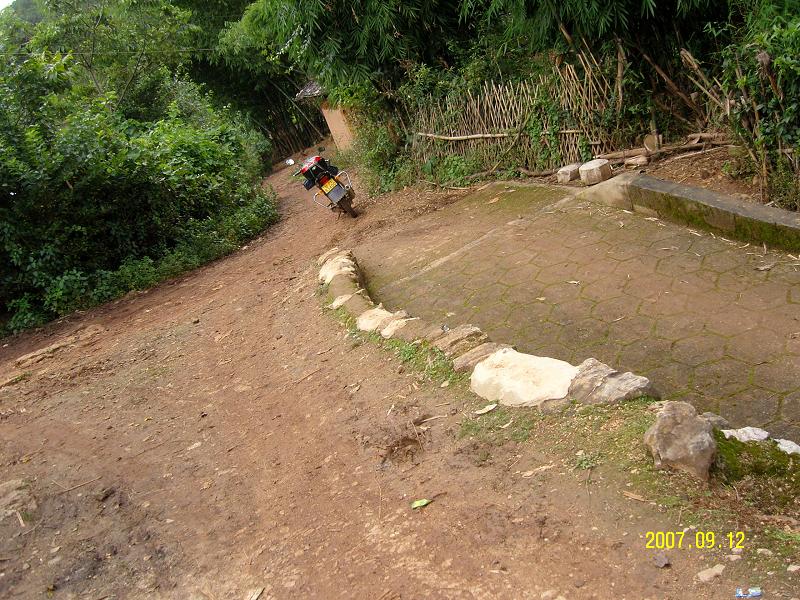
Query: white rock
(793,568)
(595,171)
(378,318)
(323,259)
(788,446)
(568,173)
(339,301)
(746,434)
(764,552)
(515,379)
(341,264)
(733,557)
(394,326)
(708,575)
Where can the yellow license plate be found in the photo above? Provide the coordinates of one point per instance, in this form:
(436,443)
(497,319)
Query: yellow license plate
(328,186)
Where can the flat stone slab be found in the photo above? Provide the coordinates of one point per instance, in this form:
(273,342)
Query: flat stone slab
(515,379)
(597,383)
(459,340)
(378,318)
(467,361)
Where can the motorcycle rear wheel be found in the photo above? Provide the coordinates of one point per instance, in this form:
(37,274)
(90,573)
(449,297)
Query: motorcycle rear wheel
(346,204)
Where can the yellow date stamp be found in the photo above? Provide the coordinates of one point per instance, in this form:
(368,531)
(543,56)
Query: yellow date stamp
(703,540)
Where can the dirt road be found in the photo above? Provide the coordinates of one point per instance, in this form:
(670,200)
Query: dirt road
(221,437)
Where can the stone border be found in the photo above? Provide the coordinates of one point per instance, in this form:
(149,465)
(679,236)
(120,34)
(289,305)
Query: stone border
(700,208)
(498,373)
(679,438)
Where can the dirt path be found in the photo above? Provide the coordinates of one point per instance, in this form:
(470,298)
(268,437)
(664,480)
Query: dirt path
(220,434)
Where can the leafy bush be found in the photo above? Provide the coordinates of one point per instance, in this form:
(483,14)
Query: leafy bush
(94,203)
(761,77)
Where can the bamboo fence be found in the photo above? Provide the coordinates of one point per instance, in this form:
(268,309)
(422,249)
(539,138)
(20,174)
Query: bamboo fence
(513,125)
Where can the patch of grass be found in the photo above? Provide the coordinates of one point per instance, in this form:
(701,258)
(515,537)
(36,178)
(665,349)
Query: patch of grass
(784,543)
(763,476)
(419,356)
(585,462)
(500,425)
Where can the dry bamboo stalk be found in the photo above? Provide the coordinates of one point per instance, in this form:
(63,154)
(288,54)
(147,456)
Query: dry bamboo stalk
(457,138)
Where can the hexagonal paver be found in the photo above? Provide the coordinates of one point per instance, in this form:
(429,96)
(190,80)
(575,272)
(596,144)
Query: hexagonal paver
(754,407)
(699,349)
(778,375)
(724,377)
(755,346)
(688,310)
(615,309)
(665,304)
(790,408)
(631,329)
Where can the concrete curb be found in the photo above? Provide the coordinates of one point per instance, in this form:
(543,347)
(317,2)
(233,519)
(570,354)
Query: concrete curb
(700,208)
(498,373)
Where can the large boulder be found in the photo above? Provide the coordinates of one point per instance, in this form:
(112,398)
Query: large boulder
(681,439)
(597,383)
(515,379)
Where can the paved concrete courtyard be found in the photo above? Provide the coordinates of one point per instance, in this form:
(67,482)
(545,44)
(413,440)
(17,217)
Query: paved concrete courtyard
(711,321)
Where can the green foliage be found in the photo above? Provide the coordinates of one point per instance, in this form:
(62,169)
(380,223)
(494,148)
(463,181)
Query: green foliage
(761,71)
(100,196)
(340,43)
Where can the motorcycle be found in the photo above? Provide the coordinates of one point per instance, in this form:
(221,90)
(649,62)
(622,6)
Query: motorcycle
(318,172)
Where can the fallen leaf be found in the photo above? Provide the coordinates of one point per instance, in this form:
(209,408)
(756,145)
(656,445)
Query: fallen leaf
(766,267)
(486,409)
(507,424)
(493,200)
(420,503)
(541,298)
(574,282)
